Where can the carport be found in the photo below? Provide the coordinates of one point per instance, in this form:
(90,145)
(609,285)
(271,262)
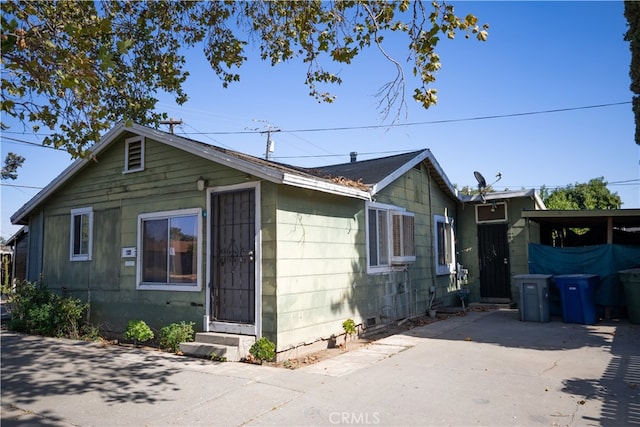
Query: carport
(600,242)
(566,228)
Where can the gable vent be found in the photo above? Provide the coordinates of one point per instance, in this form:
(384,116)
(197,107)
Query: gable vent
(134,154)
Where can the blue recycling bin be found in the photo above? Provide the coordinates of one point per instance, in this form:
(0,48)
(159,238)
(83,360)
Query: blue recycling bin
(577,292)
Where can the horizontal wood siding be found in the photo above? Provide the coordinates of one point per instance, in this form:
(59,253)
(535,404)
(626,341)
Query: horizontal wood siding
(419,193)
(168,182)
(320,245)
(321,270)
(268,233)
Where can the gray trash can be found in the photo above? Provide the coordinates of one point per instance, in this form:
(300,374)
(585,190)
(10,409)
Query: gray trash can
(534,296)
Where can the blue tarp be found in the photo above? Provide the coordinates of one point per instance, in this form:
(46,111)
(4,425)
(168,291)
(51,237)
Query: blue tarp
(603,260)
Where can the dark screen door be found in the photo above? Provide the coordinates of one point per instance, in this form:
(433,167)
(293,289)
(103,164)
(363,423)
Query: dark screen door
(495,283)
(233,261)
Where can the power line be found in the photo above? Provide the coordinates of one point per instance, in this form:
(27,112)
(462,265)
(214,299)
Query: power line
(466,119)
(20,186)
(21,141)
(346,128)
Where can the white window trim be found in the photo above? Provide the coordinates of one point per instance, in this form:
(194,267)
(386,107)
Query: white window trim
(450,268)
(81,257)
(127,143)
(170,287)
(393,262)
(403,217)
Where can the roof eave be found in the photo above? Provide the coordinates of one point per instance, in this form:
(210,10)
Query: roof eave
(265,172)
(325,186)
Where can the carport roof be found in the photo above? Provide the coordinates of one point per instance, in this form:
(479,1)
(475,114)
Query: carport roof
(621,218)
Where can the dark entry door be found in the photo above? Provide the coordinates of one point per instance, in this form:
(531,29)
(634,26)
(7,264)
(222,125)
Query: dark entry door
(233,298)
(495,283)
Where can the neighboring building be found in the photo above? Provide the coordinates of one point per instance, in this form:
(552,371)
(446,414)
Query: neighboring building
(165,229)
(492,242)
(19,248)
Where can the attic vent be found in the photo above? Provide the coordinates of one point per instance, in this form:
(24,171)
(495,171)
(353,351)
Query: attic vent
(134,154)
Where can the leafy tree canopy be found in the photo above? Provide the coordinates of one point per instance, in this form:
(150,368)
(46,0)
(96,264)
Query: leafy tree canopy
(78,67)
(632,13)
(591,195)
(11,164)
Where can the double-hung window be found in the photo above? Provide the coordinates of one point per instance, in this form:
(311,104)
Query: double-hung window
(444,245)
(390,237)
(81,236)
(169,250)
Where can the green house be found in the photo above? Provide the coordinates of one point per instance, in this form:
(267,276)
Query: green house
(165,229)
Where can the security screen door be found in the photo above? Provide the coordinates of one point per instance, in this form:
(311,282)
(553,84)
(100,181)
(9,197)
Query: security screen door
(232,217)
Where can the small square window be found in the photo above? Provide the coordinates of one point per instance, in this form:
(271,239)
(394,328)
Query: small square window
(134,154)
(81,234)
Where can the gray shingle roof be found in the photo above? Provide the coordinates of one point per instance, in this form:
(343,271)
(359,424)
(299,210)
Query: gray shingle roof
(370,171)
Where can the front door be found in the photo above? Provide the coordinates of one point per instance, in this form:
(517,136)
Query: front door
(233,266)
(495,283)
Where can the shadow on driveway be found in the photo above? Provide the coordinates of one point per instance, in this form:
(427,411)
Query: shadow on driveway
(51,367)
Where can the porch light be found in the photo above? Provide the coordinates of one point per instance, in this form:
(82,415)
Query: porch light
(201,183)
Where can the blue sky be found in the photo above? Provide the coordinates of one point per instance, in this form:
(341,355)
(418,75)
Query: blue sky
(539,57)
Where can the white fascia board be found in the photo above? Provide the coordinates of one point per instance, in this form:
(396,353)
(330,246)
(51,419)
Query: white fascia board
(538,200)
(71,170)
(425,154)
(201,150)
(324,186)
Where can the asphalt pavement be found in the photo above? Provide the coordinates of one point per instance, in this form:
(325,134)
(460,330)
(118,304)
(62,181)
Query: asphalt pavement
(483,368)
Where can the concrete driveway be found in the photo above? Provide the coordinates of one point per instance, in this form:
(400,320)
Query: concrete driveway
(484,368)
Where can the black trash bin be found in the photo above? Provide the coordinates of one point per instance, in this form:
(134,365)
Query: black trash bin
(631,281)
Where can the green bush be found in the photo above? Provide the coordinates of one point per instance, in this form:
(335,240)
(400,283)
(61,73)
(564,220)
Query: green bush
(349,327)
(138,331)
(263,349)
(172,335)
(36,310)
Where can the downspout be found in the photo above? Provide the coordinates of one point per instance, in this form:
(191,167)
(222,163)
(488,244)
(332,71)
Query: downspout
(432,245)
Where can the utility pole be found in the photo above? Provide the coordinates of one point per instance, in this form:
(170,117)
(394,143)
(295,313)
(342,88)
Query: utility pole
(171,123)
(270,143)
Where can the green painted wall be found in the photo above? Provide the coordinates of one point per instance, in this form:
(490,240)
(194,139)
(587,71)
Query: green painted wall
(313,256)
(168,182)
(321,266)
(517,240)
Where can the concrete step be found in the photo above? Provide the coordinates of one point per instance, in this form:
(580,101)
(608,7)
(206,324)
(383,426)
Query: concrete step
(225,339)
(229,347)
(207,351)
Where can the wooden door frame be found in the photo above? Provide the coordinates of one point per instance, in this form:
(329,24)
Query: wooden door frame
(256,328)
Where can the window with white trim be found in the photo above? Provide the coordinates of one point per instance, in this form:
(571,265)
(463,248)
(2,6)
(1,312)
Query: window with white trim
(444,245)
(134,154)
(404,245)
(169,250)
(390,237)
(81,234)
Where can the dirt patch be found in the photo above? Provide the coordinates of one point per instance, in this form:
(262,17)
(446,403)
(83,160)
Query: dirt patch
(357,343)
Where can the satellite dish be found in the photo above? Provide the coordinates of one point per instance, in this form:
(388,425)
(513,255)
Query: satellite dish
(482,183)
